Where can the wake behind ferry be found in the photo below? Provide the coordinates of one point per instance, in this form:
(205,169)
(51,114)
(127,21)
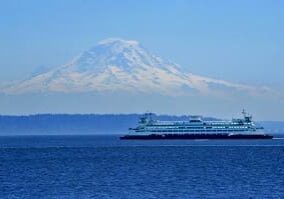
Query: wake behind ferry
(196,128)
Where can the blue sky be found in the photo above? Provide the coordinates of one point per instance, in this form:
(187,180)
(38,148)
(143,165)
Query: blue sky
(239,41)
(215,38)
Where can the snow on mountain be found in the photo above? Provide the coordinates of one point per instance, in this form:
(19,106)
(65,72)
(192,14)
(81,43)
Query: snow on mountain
(122,65)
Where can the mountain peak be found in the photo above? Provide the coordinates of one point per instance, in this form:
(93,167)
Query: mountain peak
(119,41)
(122,65)
(124,54)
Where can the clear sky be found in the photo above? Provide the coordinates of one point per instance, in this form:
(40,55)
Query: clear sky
(240,41)
(215,38)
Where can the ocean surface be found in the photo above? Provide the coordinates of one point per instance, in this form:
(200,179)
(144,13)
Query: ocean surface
(106,167)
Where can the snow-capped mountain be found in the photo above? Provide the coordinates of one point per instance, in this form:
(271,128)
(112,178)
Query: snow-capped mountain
(122,65)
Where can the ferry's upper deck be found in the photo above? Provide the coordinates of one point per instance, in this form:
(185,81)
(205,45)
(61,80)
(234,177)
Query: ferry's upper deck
(196,124)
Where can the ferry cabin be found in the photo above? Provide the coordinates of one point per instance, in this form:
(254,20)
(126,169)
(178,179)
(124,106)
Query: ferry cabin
(195,125)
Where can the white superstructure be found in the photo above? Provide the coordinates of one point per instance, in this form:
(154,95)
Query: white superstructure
(195,124)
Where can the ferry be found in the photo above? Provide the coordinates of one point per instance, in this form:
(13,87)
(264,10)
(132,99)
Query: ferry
(196,128)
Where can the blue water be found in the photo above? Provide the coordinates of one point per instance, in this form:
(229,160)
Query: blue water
(105,167)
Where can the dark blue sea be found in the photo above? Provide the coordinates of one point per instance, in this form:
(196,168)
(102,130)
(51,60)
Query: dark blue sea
(106,167)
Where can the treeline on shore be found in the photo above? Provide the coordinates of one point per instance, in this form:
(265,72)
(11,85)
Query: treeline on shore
(64,124)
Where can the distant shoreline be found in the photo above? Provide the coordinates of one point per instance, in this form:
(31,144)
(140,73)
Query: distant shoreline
(90,124)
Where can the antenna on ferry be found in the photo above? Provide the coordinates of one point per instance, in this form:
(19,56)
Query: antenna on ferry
(247,117)
(244,112)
